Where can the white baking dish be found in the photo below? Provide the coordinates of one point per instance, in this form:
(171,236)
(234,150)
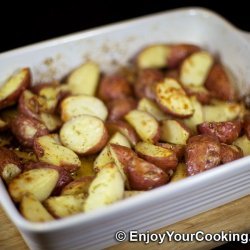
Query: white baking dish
(118,43)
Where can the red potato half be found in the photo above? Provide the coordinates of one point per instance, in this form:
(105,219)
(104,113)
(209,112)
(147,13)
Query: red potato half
(219,83)
(39,182)
(172,98)
(178,149)
(49,149)
(84,134)
(83,105)
(203,152)
(226,132)
(230,153)
(244,143)
(162,157)
(10,165)
(13,87)
(26,129)
(144,124)
(246,125)
(201,93)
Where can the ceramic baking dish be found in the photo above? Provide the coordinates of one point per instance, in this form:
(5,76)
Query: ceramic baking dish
(109,46)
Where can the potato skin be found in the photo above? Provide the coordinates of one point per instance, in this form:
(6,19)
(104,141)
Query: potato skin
(26,82)
(114,87)
(178,149)
(230,153)
(119,107)
(246,125)
(226,132)
(64,176)
(144,85)
(179,52)
(203,96)
(219,84)
(21,124)
(203,152)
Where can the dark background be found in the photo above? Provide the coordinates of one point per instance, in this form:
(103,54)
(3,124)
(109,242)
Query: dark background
(24,23)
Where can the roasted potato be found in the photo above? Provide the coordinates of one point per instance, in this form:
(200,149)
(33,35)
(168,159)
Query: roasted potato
(178,149)
(14,86)
(26,129)
(219,84)
(114,87)
(244,143)
(145,82)
(84,134)
(118,108)
(10,165)
(230,153)
(86,168)
(203,152)
(172,98)
(201,93)
(128,194)
(145,125)
(225,132)
(83,105)
(246,125)
(180,173)
(162,157)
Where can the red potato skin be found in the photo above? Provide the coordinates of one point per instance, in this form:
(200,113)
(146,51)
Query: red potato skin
(21,123)
(64,177)
(14,96)
(124,128)
(203,152)
(179,52)
(119,107)
(8,157)
(230,153)
(145,82)
(172,73)
(179,150)
(202,96)
(124,154)
(225,132)
(219,84)
(246,125)
(114,87)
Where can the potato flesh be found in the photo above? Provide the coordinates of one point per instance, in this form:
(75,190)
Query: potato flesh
(83,105)
(82,133)
(195,69)
(33,210)
(144,124)
(106,188)
(84,79)
(244,143)
(128,194)
(39,182)
(173,132)
(154,56)
(180,173)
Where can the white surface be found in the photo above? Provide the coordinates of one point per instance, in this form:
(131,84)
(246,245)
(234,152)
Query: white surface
(167,204)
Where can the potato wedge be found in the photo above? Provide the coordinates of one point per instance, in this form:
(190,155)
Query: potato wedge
(25,156)
(48,149)
(51,121)
(230,153)
(14,86)
(83,105)
(39,182)
(33,210)
(219,84)
(84,80)
(246,125)
(152,108)
(128,194)
(106,188)
(173,131)
(10,165)
(172,98)
(63,206)
(124,128)
(26,129)
(105,156)
(118,108)
(161,157)
(222,111)
(226,132)
(79,186)
(86,168)
(178,149)
(84,134)
(180,173)
(197,116)
(244,143)
(114,87)
(201,93)
(144,124)
(179,52)
(153,56)
(195,69)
